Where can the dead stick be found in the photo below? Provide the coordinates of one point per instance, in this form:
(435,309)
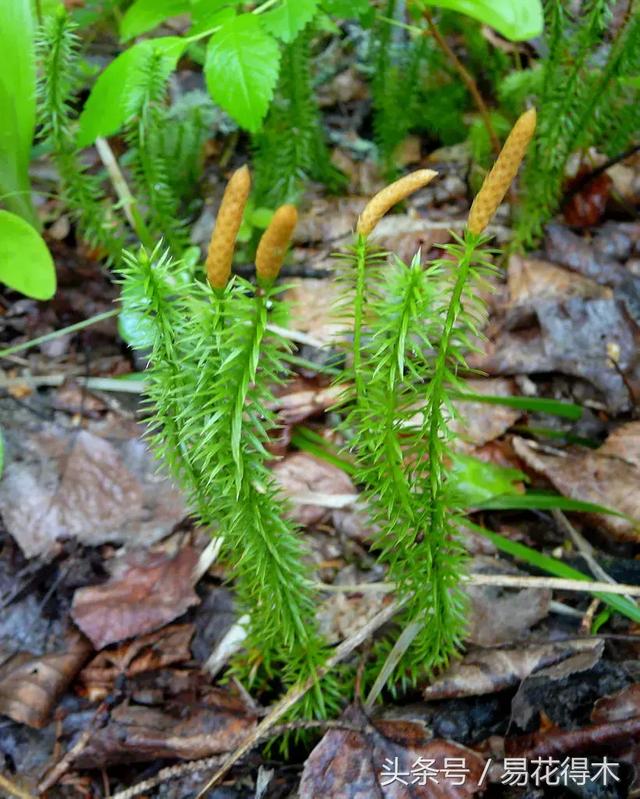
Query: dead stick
(467,79)
(14,790)
(298,691)
(504,580)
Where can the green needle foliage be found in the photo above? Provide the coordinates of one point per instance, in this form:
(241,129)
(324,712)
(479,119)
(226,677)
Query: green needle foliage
(587,96)
(146,118)
(210,374)
(291,148)
(216,357)
(58,50)
(413,325)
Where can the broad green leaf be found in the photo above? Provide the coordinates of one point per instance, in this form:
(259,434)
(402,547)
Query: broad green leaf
(346,9)
(144,15)
(241,70)
(289,18)
(136,329)
(514,19)
(17,106)
(207,18)
(476,481)
(25,262)
(105,111)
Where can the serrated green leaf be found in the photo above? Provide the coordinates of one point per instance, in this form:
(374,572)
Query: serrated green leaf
(241,70)
(346,9)
(105,111)
(206,16)
(17,106)
(26,264)
(514,19)
(144,15)
(289,18)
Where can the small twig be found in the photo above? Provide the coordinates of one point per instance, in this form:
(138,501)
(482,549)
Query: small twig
(564,610)
(13,789)
(505,581)
(297,692)
(99,719)
(467,79)
(26,345)
(127,200)
(554,583)
(587,619)
(296,335)
(585,180)
(166,774)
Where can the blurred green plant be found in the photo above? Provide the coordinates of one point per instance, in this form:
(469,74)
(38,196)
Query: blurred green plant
(587,91)
(25,262)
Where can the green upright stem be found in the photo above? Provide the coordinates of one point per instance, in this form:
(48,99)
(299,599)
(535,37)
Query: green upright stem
(358,312)
(437,383)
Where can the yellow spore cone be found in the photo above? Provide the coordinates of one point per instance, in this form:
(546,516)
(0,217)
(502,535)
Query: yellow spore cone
(392,194)
(225,232)
(274,242)
(504,170)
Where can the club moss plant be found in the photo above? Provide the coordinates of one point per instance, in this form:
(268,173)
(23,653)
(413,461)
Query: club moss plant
(215,359)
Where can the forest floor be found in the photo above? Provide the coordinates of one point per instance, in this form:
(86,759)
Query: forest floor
(113,607)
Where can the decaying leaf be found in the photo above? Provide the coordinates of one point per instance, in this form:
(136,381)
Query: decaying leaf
(531,280)
(574,337)
(308,315)
(620,706)
(145,653)
(526,703)
(80,485)
(499,616)
(607,476)
(314,486)
(298,405)
(149,591)
(390,760)
(488,671)
(30,685)
(188,729)
(623,706)
(481,422)
(339,616)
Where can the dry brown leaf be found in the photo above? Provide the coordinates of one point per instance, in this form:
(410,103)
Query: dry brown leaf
(481,422)
(533,280)
(82,486)
(312,303)
(30,685)
(489,671)
(303,477)
(300,405)
(574,337)
(145,653)
(341,615)
(210,725)
(389,760)
(607,476)
(499,616)
(150,590)
(620,706)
